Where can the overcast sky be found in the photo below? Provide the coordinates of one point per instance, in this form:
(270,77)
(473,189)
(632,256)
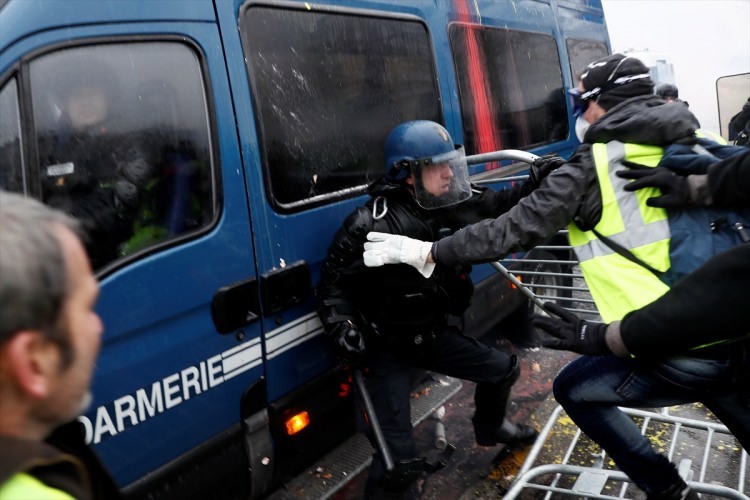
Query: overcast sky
(703,39)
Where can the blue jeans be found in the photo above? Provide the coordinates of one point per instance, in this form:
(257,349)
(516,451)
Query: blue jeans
(590,389)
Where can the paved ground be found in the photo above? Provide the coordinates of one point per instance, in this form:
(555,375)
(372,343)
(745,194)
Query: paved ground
(477,471)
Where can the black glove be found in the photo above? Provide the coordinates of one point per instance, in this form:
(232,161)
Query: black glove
(542,167)
(571,333)
(675,189)
(350,344)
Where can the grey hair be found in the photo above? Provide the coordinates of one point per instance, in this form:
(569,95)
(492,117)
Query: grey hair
(33,273)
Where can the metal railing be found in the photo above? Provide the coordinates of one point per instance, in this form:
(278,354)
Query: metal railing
(709,459)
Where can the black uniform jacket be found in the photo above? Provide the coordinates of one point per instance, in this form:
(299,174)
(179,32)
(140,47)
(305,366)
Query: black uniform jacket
(396,299)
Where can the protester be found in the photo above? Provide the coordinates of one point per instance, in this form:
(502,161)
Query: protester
(707,306)
(618,119)
(395,319)
(49,341)
(670,93)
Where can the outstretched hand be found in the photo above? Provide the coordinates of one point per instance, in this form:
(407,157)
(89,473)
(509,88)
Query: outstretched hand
(571,333)
(675,188)
(384,248)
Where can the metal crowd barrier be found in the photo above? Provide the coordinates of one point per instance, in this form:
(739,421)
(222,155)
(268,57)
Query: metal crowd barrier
(709,458)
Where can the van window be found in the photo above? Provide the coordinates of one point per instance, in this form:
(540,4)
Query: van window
(582,52)
(122,142)
(11,171)
(328,87)
(511,88)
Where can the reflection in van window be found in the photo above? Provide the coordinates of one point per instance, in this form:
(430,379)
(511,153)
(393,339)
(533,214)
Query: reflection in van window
(123,143)
(511,88)
(11,171)
(328,92)
(581,53)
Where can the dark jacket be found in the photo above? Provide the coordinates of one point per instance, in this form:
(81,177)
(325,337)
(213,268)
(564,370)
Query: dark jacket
(739,126)
(395,300)
(63,462)
(729,182)
(710,304)
(570,193)
(88,193)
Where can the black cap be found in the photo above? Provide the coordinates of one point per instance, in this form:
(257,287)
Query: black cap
(614,79)
(667,90)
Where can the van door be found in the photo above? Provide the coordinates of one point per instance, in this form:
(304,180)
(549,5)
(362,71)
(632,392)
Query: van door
(314,109)
(157,180)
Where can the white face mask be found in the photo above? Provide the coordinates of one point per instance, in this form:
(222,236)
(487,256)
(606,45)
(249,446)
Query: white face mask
(581,127)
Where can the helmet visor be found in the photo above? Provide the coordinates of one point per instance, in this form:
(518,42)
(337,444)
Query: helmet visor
(441,181)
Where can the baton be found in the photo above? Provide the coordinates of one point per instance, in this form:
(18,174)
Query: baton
(373,419)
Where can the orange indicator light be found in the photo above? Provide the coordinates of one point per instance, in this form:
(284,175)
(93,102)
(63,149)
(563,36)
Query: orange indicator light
(297,422)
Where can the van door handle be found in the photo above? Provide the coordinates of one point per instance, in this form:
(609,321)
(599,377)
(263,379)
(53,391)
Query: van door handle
(285,287)
(236,305)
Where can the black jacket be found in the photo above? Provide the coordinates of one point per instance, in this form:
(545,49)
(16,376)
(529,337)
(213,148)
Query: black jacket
(729,182)
(570,193)
(739,125)
(710,304)
(87,193)
(396,299)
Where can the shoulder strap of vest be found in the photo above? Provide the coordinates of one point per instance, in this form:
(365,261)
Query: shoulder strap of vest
(624,252)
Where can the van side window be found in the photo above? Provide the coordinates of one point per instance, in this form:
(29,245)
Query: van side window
(122,142)
(328,87)
(511,88)
(581,52)
(11,171)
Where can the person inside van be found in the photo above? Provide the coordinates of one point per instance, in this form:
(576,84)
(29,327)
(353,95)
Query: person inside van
(395,319)
(49,341)
(618,119)
(88,170)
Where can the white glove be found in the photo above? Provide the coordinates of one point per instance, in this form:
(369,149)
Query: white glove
(384,248)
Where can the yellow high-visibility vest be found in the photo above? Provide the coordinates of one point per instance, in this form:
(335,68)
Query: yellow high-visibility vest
(617,284)
(705,134)
(22,486)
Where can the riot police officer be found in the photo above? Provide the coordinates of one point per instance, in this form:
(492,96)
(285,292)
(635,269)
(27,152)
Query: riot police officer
(394,318)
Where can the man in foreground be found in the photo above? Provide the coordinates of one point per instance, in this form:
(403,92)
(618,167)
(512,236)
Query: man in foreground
(49,342)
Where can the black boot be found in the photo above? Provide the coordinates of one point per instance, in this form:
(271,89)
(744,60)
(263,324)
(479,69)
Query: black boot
(678,491)
(508,433)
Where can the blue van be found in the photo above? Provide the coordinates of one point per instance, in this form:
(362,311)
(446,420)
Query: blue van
(211,148)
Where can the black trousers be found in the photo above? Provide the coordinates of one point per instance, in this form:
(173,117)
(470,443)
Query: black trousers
(389,381)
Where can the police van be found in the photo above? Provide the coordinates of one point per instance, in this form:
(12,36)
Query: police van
(211,148)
